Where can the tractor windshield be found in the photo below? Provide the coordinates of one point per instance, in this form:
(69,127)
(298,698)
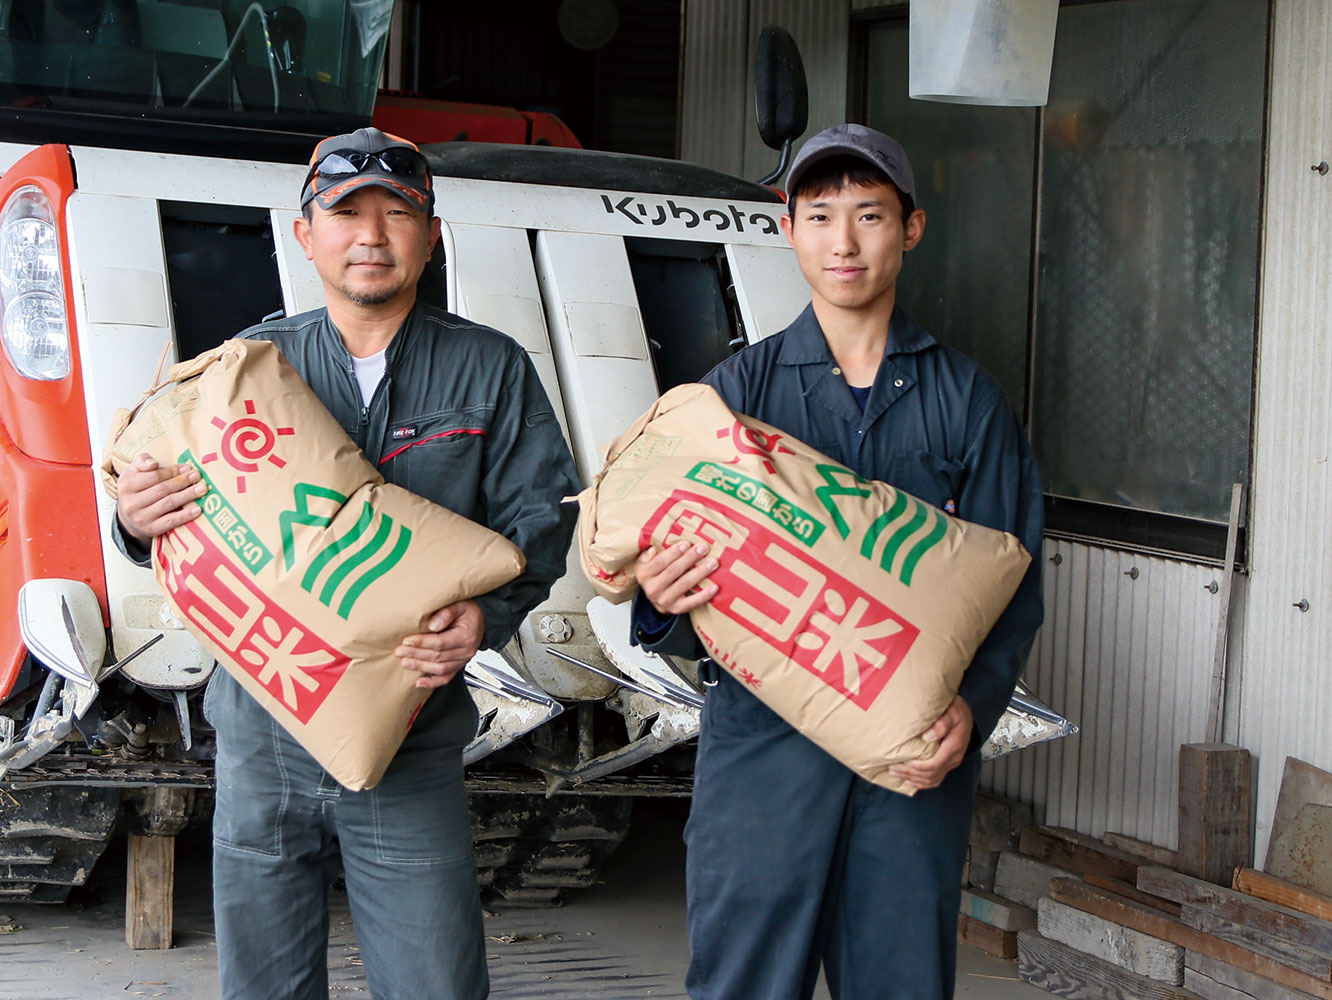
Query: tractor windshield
(263,65)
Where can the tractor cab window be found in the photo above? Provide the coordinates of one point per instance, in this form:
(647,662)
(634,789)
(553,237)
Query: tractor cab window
(203,59)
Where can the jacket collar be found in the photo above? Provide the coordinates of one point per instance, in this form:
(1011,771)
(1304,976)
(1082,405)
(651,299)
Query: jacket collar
(804,343)
(397,347)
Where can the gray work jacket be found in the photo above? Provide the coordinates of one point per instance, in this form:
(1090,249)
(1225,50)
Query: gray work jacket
(936,425)
(459,418)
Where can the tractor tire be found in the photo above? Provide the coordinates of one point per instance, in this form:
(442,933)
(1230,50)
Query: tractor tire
(530,850)
(50,838)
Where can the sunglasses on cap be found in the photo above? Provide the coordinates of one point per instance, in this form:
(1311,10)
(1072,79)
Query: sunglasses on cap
(397,161)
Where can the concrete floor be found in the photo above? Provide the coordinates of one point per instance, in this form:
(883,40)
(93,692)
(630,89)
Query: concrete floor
(624,938)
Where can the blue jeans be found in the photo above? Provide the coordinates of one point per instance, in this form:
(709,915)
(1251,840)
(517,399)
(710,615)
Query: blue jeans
(795,862)
(280,828)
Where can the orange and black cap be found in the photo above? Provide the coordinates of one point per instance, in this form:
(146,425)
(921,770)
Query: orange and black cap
(345,163)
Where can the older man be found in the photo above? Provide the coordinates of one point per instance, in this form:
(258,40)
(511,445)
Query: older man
(454,412)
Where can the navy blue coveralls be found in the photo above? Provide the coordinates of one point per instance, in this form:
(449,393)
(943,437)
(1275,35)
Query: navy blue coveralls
(794,860)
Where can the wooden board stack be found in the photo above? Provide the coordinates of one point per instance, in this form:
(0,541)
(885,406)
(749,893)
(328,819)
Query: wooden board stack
(988,921)
(1112,922)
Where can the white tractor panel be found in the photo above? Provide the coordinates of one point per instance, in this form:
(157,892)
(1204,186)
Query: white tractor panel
(301,288)
(195,179)
(768,286)
(119,348)
(589,294)
(497,285)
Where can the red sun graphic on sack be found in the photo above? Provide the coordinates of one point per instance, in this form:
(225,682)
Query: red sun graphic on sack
(247,441)
(752,441)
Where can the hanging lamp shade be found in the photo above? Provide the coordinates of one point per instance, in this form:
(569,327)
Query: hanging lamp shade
(982,51)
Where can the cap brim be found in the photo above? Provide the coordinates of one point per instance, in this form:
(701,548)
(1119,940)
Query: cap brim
(335,192)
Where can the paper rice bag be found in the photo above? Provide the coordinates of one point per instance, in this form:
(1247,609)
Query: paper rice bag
(847,606)
(305,569)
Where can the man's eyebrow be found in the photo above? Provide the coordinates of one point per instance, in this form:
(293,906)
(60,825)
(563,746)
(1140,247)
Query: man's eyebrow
(871,203)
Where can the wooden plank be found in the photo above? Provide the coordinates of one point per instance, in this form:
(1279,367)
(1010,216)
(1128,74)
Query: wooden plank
(1121,888)
(1215,810)
(1067,972)
(996,911)
(1141,849)
(149,891)
(1297,956)
(1246,982)
(1122,946)
(1279,890)
(1209,989)
(996,822)
(981,868)
(1154,922)
(1078,853)
(1274,919)
(983,937)
(1024,880)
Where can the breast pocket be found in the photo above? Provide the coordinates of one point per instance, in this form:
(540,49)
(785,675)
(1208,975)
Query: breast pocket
(926,476)
(439,457)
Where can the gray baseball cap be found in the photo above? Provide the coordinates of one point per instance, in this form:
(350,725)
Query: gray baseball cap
(866,144)
(342,164)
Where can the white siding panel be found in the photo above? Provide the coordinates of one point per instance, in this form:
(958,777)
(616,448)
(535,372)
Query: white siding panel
(713,118)
(1287,686)
(717,125)
(1129,659)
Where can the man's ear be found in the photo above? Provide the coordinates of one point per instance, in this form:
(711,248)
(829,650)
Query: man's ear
(300,228)
(788,227)
(914,229)
(435,228)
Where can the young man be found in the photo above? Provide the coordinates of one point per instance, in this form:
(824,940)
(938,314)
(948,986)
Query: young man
(468,401)
(794,861)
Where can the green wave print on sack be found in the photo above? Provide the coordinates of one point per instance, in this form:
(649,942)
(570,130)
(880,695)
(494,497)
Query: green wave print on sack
(921,514)
(301,514)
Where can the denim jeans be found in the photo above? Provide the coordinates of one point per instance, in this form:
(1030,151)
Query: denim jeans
(280,828)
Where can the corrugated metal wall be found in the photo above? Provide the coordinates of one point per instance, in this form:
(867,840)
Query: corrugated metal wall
(638,78)
(717,89)
(1287,666)
(712,115)
(1129,659)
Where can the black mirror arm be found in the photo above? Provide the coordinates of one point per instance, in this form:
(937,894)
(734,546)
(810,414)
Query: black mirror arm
(781,166)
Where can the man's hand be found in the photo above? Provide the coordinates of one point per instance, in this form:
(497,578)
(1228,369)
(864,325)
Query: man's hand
(952,731)
(152,499)
(455,635)
(675,580)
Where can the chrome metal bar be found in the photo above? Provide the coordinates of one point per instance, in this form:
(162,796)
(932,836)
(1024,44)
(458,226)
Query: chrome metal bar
(621,680)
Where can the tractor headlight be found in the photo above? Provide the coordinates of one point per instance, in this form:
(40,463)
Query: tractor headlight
(35,326)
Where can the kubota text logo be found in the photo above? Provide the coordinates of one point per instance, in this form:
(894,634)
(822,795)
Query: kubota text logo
(644,213)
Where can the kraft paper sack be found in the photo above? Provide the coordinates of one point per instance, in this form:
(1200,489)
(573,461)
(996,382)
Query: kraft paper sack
(305,569)
(848,607)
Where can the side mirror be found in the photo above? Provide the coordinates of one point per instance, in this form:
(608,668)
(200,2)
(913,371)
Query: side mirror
(781,96)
